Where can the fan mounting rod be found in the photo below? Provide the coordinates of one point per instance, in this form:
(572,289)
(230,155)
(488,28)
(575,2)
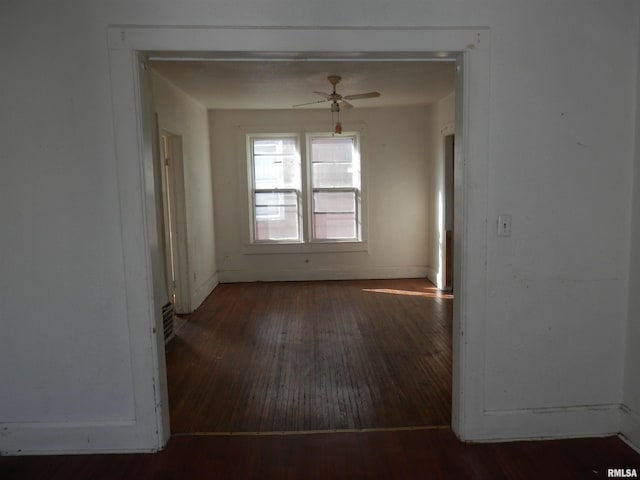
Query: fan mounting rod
(334,80)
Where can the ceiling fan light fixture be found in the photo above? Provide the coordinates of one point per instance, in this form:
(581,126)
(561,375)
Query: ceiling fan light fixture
(337,101)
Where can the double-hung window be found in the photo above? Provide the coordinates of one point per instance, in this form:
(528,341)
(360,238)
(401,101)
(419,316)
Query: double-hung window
(335,187)
(305,193)
(276,188)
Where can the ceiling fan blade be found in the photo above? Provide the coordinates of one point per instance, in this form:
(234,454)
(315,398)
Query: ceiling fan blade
(311,103)
(358,96)
(345,105)
(325,95)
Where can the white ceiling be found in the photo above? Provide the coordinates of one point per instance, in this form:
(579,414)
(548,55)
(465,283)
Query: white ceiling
(262,84)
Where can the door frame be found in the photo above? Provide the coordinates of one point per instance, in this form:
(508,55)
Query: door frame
(448,189)
(468,47)
(177,209)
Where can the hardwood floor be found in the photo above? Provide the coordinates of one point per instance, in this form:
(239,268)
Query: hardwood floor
(309,356)
(315,356)
(422,454)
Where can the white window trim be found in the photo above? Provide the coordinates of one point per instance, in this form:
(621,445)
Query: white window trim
(306,245)
(310,189)
(249,137)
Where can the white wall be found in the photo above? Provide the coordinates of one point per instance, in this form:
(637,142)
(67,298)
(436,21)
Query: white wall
(561,163)
(179,114)
(631,408)
(561,135)
(442,118)
(394,160)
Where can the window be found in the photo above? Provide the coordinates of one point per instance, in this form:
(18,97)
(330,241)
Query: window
(335,187)
(276,189)
(308,193)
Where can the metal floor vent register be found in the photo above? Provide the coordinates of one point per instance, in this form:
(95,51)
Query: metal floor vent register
(167,321)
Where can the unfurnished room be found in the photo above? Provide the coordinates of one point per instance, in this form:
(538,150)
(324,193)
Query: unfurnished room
(338,239)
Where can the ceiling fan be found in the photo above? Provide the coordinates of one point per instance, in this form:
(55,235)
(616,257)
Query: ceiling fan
(337,100)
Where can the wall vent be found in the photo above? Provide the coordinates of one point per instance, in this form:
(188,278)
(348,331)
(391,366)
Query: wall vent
(168,311)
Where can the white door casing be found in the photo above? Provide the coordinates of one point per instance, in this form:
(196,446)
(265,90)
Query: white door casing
(469,47)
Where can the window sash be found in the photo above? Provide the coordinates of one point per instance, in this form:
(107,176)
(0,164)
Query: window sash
(265,227)
(346,218)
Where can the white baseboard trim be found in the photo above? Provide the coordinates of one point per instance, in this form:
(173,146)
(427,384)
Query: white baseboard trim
(630,427)
(203,291)
(234,276)
(546,423)
(60,438)
(432,276)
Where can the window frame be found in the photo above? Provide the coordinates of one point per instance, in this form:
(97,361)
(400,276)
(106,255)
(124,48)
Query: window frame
(305,244)
(250,138)
(308,161)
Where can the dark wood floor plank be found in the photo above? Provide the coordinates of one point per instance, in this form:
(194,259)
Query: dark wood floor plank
(434,454)
(294,356)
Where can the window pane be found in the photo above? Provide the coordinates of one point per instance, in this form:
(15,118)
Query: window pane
(334,226)
(266,199)
(270,146)
(276,216)
(327,175)
(332,149)
(334,202)
(334,215)
(272,171)
(276,163)
(333,163)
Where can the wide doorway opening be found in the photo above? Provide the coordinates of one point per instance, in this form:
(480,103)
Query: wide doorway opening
(330,348)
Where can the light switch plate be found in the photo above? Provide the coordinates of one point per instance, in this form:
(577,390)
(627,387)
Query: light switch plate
(504,225)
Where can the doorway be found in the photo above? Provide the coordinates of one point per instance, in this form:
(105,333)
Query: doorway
(167,145)
(411,171)
(471,49)
(449,174)
(176,266)
(170,171)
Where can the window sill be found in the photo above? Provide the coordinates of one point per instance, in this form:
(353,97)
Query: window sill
(293,248)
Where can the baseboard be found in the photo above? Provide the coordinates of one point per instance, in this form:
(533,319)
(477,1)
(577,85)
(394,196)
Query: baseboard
(545,423)
(203,291)
(432,276)
(65,438)
(630,427)
(234,276)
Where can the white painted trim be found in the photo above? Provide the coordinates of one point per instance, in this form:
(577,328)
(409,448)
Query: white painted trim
(53,438)
(470,240)
(134,159)
(432,275)
(184,295)
(448,128)
(545,423)
(471,48)
(203,291)
(182,264)
(630,427)
(302,248)
(256,42)
(234,276)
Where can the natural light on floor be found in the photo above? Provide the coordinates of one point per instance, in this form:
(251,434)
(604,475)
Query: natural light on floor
(432,292)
